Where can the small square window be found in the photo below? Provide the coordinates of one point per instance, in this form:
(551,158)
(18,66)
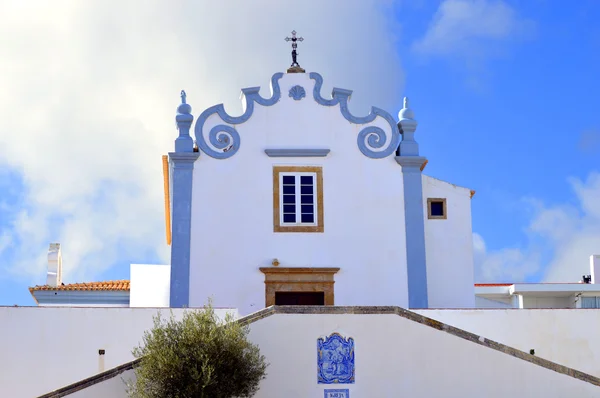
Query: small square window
(436,208)
(297,199)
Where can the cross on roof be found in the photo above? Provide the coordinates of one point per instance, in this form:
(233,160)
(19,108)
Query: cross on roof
(294,41)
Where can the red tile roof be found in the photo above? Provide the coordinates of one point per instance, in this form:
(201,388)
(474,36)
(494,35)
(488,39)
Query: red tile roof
(119,285)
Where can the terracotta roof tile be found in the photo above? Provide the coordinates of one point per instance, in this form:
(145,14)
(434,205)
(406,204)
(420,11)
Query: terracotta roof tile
(119,285)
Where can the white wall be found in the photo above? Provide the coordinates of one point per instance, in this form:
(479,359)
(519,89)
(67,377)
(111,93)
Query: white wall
(548,302)
(110,388)
(232,211)
(449,247)
(150,285)
(46,348)
(483,302)
(396,357)
(568,337)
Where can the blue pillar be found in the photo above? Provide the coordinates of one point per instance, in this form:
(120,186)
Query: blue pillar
(408,157)
(182,172)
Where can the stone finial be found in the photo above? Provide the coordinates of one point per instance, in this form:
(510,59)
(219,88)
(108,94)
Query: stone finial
(406,112)
(184,119)
(184,108)
(407,126)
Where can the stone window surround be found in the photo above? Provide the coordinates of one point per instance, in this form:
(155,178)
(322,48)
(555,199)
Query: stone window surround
(277,227)
(432,217)
(298,279)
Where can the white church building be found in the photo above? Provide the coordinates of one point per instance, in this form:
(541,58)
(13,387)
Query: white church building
(315,227)
(297,201)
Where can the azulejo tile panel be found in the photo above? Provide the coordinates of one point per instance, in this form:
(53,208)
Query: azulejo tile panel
(335,359)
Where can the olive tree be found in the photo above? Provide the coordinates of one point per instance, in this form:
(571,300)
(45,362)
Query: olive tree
(197,356)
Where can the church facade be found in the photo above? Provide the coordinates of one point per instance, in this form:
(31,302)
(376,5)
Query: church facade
(298,201)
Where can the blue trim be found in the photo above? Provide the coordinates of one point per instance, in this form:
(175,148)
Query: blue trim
(415,230)
(81,297)
(278,153)
(297,92)
(226,138)
(184,119)
(369,138)
(181,183)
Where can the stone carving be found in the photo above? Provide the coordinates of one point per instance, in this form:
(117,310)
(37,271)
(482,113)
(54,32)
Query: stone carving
(297,93)
(335,360)
(223,141)
(372,140)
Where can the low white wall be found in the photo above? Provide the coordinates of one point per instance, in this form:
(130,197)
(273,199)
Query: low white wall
(46,348)
(396,357)
(111,388)
(568,336)
(393,357)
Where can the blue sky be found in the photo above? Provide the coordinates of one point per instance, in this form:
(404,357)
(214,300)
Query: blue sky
(505,93)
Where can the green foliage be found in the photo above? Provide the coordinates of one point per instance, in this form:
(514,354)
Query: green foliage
(198,356)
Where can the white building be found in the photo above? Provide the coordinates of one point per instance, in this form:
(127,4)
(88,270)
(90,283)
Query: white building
(582,294)
(298,202)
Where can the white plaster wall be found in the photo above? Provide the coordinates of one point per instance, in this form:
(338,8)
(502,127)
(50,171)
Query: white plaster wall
(449,247)
(232,211)
(46,348)
(483,302)
(548,302)
(396,357)
(149,285)
(568,337)
(110,388)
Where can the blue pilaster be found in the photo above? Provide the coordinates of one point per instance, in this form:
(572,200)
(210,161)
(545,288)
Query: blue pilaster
(408,157)
(182,172)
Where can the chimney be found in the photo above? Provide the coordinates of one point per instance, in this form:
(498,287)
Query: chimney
(595,268)
(101,353)
(54,276)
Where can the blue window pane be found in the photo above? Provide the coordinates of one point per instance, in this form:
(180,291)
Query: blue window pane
(306,180)
(287,199)
(289,208)
(289,179)
(306,199)
(307,209)
(289,189)
(437,208)
(289,218)
(306,189)
(308,218)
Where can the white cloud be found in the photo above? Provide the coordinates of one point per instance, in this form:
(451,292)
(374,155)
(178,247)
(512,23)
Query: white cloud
(89,91)
(471,29)
(567,234)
